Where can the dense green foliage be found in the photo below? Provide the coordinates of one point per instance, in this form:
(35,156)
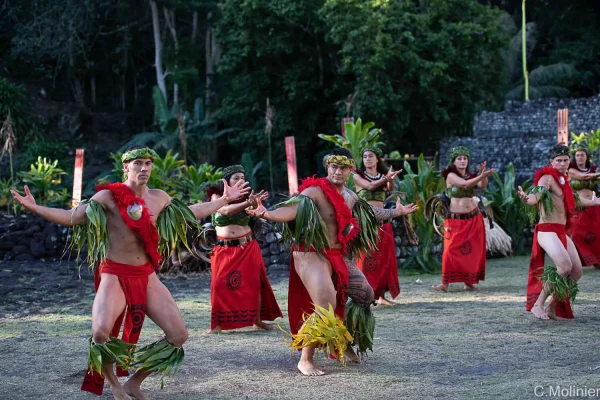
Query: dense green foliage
(418,188)
(419,69)
(504,200)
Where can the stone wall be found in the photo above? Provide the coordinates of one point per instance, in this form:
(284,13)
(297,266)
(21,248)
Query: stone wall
(522,133)
(27,238)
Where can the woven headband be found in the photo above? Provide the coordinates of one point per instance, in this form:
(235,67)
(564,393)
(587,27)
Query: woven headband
(232,169)
(341,160)
(558,151)
(458,151)
(138,153)
(374,149)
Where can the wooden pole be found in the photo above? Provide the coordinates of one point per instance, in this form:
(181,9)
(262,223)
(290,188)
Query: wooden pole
(77,177)
(562,122)
(290,155)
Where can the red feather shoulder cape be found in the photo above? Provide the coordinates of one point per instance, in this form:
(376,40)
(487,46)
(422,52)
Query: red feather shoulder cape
(569,198)
(343,214)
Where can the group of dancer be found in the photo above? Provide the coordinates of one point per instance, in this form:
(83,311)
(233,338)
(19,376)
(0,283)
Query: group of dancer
(342,247)
(126,225)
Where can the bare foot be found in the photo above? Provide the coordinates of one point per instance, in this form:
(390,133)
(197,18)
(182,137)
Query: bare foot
(213,331)
(469,288)
(264,326)
(135,391)
(351,355)
(551,309)
(113,383)
(539,312)
(308,368)
(119,393)
(440,288)
(385,302)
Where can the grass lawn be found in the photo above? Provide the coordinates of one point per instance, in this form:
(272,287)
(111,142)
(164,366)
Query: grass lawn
(456,345)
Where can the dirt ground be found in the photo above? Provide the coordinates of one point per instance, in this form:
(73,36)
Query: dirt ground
(457,345)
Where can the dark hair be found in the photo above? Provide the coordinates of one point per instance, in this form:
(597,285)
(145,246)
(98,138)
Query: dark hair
(381,167)
(559,150)
(340,151)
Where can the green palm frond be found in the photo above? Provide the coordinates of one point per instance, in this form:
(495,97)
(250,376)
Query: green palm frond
(173,224)
(360,322)
(308,227)
(113,351)
(367,239)
(545,201)
(92,233)
(562,287)
(160,357)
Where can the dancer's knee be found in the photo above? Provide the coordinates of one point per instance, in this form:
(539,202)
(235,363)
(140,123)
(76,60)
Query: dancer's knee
(564,267)
(576,272)
(178,338)
(100,336)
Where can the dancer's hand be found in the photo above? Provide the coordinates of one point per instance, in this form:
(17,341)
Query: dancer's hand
(481,170)
(524,196)
(253,198)
(402,209)
(231,193)
(391,175)
(28,201)
(259,211)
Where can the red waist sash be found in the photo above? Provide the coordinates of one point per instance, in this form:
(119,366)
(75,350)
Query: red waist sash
(134,282)
(299,301)
(536,268)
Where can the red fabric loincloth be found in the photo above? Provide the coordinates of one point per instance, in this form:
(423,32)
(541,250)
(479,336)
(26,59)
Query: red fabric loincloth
(380,268)
(463,259)
(239,277)
(299,301)
(536,268)
(585,232)
(134,281)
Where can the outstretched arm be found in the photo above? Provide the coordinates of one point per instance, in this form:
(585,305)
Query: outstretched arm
(55,215)
(232,209)
(282,214)
(230,193)
(383,214)
(583,176)
(532,199)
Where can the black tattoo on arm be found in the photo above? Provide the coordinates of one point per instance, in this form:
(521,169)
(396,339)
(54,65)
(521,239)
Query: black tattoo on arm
(383,214)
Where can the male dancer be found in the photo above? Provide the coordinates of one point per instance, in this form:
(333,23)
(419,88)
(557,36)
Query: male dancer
(127,271)
(327,278)
(553,194)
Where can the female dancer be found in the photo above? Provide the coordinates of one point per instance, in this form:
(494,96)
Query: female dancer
(585,225)
(241,294)
(372,182)
(463,259)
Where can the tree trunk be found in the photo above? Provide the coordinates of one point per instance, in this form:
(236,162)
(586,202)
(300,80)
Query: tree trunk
(213,54)
(170,20)
(135,88)
(123,97)
(194,27)
(160,75)
(78,92)
(93,88)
